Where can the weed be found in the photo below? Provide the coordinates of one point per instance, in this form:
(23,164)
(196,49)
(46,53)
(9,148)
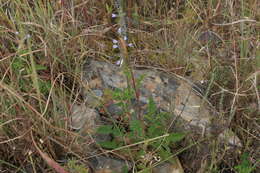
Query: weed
(134,131)
(245,166)
(76,168)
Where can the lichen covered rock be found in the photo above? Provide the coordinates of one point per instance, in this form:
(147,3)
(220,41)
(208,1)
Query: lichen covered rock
(170,93)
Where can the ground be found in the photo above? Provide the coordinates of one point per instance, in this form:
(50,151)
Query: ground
(44,45)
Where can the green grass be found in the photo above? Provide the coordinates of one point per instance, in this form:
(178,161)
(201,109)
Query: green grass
(44,44)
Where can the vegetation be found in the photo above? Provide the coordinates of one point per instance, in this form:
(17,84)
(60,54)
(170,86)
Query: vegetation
(151,138)
(245,166)
(44,44)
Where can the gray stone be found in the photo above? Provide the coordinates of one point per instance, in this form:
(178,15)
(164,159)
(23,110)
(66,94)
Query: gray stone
(83,116)
(168,167)
(104,164)
(86,120)
(114,109)
(92,98)
(170,92)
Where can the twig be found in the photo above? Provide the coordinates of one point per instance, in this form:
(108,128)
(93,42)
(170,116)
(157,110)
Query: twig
(235,22)
(131,145)
(49,161)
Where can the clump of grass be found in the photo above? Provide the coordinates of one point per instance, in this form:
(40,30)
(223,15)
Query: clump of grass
(44,44)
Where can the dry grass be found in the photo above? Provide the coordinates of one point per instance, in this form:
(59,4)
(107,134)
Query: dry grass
(44,44)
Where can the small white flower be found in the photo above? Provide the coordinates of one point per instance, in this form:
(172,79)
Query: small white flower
(41,141)
(113,15)
(203,81)
(157,158)
(130,45)
(119,30)
(119,62)
(16,32)
(125,38)
(115,46)
(114,41)
(27,36)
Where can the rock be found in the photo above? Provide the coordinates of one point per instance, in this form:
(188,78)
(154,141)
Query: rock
(167,167)
(170,93)
(83,116)
(114,109)
(87,120)
(230,138)
(103,164)
(92,98)
(209,37)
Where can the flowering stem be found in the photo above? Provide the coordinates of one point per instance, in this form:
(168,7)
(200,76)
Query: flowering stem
(124,53)
(126,65)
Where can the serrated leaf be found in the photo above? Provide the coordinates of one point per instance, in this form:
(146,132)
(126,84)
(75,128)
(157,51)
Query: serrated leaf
(136,127)
(154,131)
(117,132)
(245,166)
(117,94)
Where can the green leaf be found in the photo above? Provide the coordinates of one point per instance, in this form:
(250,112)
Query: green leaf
(75,167)
(18,64)
(154,130)
(124,169)
(116,131)
(117,94)
(151,107)
(105,129)
(45,86)
(155,145)
(108,144)
(175,137)
(136,128)
(40,67)
(245,166)
(164,154)
(109,129)
(140,153)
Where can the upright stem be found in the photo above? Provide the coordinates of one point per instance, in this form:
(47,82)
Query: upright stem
(120,4)
(128,66)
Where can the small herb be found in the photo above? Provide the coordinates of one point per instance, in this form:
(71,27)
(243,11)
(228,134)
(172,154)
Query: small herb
(74,167)
(245,166)
(134,130)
